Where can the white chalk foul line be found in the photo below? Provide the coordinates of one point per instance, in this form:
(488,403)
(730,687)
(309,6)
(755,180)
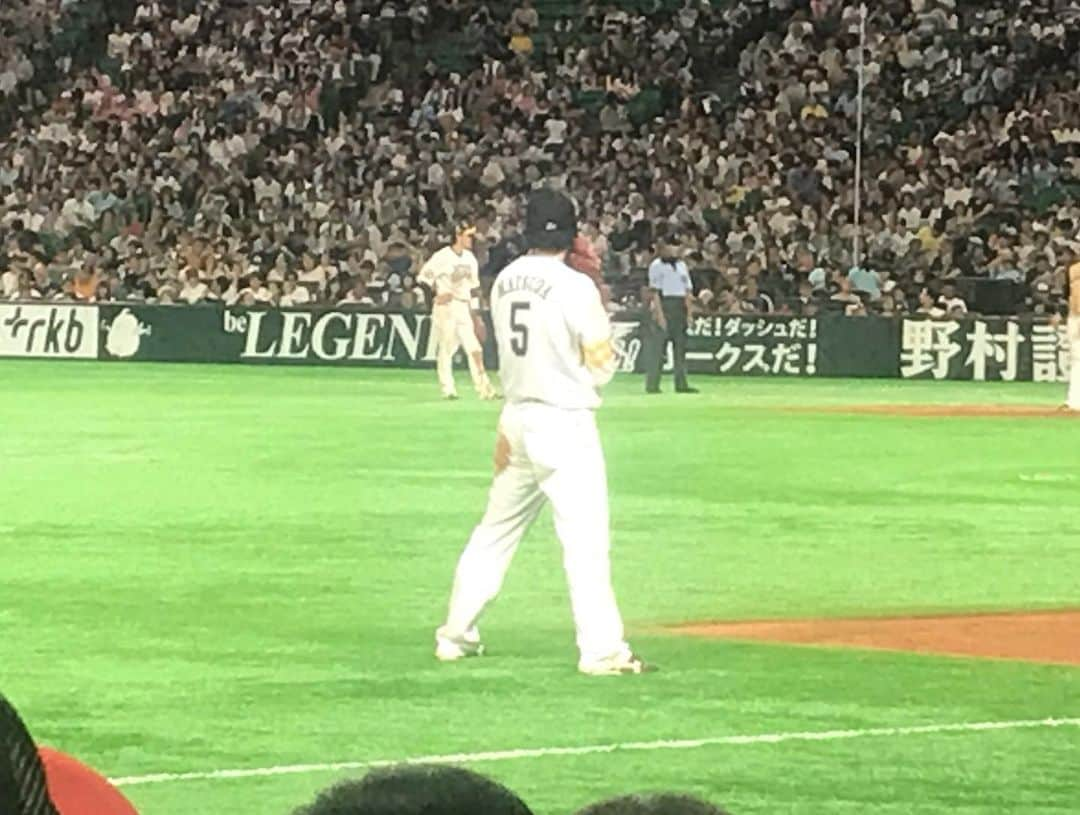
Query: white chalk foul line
(591,749)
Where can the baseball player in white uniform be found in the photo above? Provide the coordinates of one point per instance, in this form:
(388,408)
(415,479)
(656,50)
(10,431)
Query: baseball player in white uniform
(1073,292)
(555,351)
(453,276)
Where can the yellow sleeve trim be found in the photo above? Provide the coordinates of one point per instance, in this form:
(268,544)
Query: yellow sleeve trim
(598,354)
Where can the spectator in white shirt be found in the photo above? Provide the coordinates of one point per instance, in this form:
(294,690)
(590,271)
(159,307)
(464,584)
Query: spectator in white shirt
(357,295)
(293,294)
(666,37)
(950,301)
(784,218)
(556,127)
(910,216)
(957,193)
(311,272)
(255,291)
(9,282)
(194,290)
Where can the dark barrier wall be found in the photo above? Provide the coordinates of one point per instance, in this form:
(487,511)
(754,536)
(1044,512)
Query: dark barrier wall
(794,346)
(743,345)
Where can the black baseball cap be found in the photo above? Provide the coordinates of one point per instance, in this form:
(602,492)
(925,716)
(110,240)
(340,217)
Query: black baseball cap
(550,220)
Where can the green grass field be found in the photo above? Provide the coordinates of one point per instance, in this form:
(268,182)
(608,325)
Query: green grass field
(210,568)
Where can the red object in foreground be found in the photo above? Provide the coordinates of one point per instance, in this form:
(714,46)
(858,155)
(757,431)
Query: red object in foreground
(77,790)
(582,256)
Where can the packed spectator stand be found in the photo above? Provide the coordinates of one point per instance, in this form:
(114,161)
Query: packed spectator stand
(314,151)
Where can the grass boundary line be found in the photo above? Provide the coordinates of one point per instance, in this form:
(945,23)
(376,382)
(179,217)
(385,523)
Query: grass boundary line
(544,752)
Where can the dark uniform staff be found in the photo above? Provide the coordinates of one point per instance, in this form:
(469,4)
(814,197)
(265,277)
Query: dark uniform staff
(670,292)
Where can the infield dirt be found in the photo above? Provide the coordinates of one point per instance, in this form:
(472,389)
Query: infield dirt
(1052,636)
(946,411)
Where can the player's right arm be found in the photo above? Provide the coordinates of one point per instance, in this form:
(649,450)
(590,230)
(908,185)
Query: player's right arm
(691,301)
(589,322)
(427,278)
(655,292)
(1074,290)
(426,275)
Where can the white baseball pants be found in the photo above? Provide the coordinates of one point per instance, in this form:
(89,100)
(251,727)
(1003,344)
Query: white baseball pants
(555,455)
(1073,400)
(453,326)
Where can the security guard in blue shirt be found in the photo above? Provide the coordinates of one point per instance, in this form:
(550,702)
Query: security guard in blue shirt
(670,294)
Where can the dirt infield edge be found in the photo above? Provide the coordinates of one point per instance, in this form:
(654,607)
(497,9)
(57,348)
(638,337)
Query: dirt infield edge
(943,411)
(1043,636)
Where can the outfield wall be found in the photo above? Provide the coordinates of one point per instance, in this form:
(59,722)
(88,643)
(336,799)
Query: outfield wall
(827,346)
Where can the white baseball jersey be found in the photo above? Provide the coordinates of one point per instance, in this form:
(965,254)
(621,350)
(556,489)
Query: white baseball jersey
(447,272)
(544,314)
(1072,289)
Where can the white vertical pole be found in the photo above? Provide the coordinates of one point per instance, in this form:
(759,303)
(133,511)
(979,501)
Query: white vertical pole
(859,139)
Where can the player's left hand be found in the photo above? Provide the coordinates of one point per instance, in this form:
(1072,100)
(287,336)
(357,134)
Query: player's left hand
(480,327)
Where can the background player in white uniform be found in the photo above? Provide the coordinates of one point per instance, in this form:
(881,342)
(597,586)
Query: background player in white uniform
(1073,400)
(453,275)
(555,351)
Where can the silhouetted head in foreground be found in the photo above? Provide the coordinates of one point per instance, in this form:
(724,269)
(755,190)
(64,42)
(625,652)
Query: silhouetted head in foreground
(418,789)
(23,788)
(661,804)
(42,781)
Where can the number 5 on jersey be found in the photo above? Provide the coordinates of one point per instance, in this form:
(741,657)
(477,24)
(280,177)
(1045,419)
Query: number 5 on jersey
(519,342)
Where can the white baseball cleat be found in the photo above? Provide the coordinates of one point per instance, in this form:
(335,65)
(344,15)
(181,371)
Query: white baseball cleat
(449,650)
(617,665)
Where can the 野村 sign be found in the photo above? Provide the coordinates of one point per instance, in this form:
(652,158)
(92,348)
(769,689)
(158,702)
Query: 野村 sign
(1050,353)
(984,349)
(951,349)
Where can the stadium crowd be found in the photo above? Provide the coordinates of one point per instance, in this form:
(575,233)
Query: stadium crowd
(317,150)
